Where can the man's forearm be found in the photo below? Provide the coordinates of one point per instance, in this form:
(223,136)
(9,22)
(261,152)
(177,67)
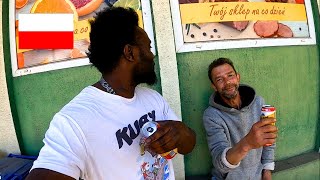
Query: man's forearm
(238,152)
(261,133)
(266,174)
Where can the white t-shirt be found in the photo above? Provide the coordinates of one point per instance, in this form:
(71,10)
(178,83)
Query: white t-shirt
(96,136)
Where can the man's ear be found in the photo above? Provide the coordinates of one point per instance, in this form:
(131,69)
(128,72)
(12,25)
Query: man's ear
(238,77)
(128,52)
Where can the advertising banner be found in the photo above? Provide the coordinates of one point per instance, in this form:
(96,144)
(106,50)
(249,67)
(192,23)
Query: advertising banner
(54,34)
(223,24)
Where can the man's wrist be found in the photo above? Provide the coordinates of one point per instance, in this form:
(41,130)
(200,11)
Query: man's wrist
(226,161)
(244,146)
(266,171)
(188,135)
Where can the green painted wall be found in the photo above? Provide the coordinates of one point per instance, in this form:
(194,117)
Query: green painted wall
(40,96)
(309,171)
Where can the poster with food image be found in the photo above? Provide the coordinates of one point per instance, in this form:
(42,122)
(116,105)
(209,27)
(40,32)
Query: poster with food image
(28,61)
(223,24)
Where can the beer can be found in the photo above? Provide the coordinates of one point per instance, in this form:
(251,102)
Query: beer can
(151,127)
(268,111)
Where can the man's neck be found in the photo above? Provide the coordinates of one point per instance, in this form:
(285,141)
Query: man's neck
(234,102)
(121,83)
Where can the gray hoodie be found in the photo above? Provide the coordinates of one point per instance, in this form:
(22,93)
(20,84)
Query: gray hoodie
(226,126)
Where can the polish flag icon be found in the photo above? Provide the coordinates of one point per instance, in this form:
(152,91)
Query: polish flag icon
(45,31)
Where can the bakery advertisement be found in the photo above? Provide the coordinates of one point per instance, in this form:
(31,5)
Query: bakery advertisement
(212,21)
(37,22)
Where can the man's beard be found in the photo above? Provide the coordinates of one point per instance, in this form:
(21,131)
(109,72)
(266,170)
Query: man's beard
(144,73)
(227,95)
(149,78)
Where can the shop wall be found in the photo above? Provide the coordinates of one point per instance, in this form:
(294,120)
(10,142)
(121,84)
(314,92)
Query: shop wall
(287,77)
(309,171)
(8,139)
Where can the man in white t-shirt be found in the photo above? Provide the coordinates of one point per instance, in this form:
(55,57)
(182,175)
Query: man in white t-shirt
(97,135)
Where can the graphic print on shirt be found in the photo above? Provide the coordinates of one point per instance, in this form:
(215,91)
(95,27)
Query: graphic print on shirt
(152,165)
(156,170)
(134,130)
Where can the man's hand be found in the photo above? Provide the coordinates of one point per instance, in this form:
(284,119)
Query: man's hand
(261,133)
(266,175)
(171,135)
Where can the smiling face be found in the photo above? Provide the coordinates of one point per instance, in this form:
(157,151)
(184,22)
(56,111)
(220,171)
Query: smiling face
(144,69)
(225,81)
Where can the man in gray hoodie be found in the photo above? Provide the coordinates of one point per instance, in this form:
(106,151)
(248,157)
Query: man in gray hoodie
(236,135)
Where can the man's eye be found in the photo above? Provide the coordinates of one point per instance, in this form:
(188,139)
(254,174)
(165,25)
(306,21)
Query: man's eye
(219,80)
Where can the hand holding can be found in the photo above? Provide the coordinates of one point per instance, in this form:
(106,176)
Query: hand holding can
(150,128)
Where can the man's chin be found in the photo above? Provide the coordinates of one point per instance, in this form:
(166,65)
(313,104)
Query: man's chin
(230,96)
(150,79)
